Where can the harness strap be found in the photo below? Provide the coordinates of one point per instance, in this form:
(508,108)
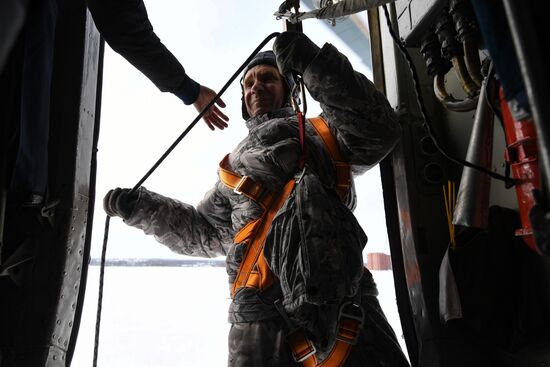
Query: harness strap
(302,134)
(343,172)
(243,185)
(349,327)
(254,271)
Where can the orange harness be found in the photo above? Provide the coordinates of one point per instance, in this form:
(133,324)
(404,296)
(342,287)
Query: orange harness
(342,169)
(254,271)
(349,326)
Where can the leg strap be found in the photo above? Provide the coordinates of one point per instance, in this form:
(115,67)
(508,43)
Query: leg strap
(350,322)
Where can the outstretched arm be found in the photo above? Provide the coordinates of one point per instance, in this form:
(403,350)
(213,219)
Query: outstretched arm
(177,225)
(126,27)
(359,115)
(214,118)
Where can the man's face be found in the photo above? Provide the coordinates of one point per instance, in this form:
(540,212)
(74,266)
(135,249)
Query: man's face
(263,90)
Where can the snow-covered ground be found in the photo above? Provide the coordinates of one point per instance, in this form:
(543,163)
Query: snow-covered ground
(170,316)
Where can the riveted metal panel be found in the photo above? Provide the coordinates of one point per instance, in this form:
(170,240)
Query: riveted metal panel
(414,16)
(40,308)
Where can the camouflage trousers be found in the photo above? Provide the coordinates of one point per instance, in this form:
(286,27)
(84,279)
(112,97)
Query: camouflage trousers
(263,344)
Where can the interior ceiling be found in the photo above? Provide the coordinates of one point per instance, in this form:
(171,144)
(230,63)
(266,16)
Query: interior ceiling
(353,32)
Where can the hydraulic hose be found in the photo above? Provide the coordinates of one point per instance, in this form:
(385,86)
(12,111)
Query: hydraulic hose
(448,101)
(509,182)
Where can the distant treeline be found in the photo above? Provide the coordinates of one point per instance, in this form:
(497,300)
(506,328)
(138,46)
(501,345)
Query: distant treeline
(159,262)
(184,262)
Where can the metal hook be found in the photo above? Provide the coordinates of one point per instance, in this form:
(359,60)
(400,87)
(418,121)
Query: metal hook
(298,89)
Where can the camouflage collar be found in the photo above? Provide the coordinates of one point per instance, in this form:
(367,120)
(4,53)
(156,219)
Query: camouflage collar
(281,112)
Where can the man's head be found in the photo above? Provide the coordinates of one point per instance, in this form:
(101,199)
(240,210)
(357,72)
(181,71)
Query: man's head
(264,88)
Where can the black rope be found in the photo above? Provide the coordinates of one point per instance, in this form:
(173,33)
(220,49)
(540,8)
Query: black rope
(509,182)
(153,168)
(100,295)
(199,116)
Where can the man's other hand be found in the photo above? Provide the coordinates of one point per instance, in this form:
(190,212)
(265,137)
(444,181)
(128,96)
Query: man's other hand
(214,118)
(294,52)
(120,202)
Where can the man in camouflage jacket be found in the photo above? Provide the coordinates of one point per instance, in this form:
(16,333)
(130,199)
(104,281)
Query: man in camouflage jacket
(314,244)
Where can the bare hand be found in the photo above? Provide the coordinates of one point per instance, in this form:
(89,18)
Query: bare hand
(214,118)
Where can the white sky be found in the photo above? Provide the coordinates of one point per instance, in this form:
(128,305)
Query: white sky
(211,38)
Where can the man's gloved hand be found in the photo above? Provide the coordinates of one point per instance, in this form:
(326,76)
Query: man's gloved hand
(288,5)
(294,52)
(120,202)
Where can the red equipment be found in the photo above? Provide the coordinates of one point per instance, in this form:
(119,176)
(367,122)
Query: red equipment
(522,155)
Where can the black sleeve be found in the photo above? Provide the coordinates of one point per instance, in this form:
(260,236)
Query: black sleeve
(125,26)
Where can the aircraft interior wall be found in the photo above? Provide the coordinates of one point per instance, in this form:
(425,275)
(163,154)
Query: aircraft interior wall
(478,297)
(46,238)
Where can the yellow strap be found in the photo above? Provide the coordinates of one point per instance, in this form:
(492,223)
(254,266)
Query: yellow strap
(343,173)
(449,196)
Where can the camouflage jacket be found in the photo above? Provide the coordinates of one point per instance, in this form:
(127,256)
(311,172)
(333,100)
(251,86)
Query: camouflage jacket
(315,243)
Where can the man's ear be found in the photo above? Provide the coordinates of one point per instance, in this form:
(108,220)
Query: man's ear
(244,110)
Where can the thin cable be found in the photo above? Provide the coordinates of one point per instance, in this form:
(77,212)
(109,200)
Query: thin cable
(427,122)
(303,91)
(301,116)
(491,96)
(153,168)
(199,116)
(100,295)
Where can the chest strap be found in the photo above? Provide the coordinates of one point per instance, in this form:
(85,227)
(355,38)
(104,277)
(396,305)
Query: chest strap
(342,169)
(243,185)
(254,271)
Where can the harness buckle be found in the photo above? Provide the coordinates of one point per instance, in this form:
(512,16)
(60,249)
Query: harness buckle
(351,322)
(301,347)
(237,189)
